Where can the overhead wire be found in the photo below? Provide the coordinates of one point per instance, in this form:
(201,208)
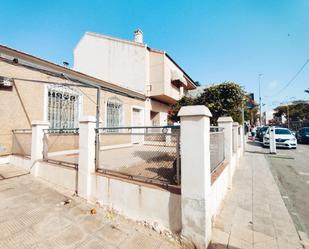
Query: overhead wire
(291,80)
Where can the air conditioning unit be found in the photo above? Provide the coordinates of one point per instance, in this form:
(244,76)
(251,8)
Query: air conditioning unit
(6,82)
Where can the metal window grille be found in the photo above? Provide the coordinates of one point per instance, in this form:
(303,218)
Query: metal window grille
(62,107)
(114,113)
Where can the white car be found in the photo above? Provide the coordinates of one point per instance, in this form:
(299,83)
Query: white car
(284,138)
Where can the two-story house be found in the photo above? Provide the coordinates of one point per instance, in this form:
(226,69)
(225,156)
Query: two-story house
(134,65)
(137,85)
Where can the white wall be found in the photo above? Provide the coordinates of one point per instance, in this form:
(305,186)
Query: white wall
(220,187)
(4,159)
(156,70)
(126,63)
(122,63)
(20,161)
(61,176)
(171,90)
(158,207)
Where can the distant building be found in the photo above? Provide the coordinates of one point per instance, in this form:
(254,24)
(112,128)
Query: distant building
(197,91)
(268,117)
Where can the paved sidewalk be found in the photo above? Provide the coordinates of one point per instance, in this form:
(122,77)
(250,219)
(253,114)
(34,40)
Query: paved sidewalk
(33,215)
(253,214)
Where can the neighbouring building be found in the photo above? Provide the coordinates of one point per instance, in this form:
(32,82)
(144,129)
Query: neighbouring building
(268,117)
(30,89)
(137,84)
(134,65)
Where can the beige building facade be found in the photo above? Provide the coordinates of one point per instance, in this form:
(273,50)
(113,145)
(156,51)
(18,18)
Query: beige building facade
(137,85)
(33,81)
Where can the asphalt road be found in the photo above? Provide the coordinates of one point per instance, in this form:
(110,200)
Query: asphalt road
(290,168)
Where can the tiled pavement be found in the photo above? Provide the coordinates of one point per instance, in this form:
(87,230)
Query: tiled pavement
(32,216)
(253,214)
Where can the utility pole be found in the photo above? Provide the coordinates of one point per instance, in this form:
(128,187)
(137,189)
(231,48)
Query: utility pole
(287,106)
(260,98)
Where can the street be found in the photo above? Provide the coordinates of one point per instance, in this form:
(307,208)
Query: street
(290,168)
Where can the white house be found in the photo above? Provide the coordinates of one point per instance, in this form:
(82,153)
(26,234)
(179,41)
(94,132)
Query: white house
(133,65)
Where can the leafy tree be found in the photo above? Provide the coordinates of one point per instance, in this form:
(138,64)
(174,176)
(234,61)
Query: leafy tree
(225,99)
(295,112)
(173,111)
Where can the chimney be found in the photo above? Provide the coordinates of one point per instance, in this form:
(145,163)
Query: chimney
(138,36)
(66,64)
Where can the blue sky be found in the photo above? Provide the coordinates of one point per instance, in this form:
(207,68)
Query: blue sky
(213,40)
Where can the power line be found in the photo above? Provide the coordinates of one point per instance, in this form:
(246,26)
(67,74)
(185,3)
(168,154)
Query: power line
(293,78)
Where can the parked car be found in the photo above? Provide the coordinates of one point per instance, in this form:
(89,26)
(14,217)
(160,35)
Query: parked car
(302,135)
(284,138)
(260,134)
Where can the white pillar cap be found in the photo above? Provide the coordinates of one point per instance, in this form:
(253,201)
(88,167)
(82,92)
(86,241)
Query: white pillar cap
(194,110)
(87,119)
(235,124)
(39,122)
(225,120)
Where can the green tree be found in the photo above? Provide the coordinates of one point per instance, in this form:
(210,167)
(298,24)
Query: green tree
(295,112)
(225,99)
(173,110)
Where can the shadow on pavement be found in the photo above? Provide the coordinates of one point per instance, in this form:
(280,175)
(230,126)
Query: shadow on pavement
(214,245)
(255,143)
(256,152)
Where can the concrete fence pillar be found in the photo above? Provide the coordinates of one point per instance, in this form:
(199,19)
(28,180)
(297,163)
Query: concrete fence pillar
(86,162)
(195,174)
(37,144)
(235,135)
(227,124)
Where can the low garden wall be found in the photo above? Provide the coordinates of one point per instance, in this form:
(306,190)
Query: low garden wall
(156,206)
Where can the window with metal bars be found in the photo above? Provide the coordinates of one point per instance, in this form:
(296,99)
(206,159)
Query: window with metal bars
(114,113)
(63,107)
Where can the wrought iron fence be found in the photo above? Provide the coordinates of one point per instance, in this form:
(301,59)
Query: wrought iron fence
(60,146)
(149,154)
(216,147)
(21,142)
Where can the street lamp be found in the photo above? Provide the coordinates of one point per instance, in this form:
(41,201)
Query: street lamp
(260,98)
